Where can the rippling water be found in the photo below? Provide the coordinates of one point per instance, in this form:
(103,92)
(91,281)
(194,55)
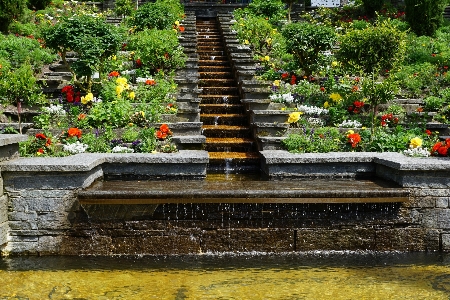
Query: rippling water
(292,276)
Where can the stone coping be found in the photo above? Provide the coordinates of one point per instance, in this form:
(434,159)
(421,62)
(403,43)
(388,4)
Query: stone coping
(87,161)
(9,139)
(393,160)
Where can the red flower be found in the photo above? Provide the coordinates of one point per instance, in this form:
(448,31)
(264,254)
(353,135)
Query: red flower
(40,136)
(433,54)
(69,97)
(443,151)
(447,142)
(138,63)
(67,89)
(284,75)
(322,89)
(350,109)
(358,104)
(74,132)
(293,79)
(114,74)
(383,123)
(48,142)
(78,97)
(436,147)
(428,132)
(181,28)
(40,150)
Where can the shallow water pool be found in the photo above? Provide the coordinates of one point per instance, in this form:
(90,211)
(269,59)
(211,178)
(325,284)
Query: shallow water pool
(291,276)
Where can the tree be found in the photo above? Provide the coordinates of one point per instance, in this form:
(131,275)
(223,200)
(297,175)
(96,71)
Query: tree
(10,10)
(425,16)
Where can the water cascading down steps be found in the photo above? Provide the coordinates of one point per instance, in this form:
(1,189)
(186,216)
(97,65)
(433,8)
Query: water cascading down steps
(229,139)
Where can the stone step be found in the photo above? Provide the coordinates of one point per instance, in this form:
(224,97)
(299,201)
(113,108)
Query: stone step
(222,108)
(233,144)
(220,91)
(219,99)
(224,119)
(216,82)
(216,75)
(226,131)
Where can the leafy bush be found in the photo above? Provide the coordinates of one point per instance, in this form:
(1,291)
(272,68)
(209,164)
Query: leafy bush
(306,42)
(161,14)
(433,103)
(319,140)
(258,33)
(19,50)
(425,16)
(123,7)
(91,38)
(156,50)
(113,114)
(273,10)
(10,10)
(372,50)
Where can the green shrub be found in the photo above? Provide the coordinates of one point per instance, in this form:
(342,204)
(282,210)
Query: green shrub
(433,103)
(258,33)
(10,10)
(425,16)
(372,50)
(91,38)
(306,42)
(156,50)
(273,10)
(161,14)
(114,114)
(123,7)
(19,50)
(318,140)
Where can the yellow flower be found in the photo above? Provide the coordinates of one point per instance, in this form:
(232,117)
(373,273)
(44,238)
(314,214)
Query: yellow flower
(266,58)
(88,98)
(283,108)
(326,104)
(119,90)
(334,64)
(177,23)
(246,42)
(350,132)
(269,41)
(121,81)
(131,95)
(336,97)
(294,117)
(114,57)
(415,142)
(276,83)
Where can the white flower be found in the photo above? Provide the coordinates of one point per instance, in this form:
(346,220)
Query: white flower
(121,149)
(75,148)
(417,152)
(315,122)
(312,110)
(350,124)
(55,110)
(282,98)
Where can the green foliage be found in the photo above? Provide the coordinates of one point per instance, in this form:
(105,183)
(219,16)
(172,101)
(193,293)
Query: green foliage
(10,10)
(157,50)
(20,85)
(258,33)
(114,114)
(372,50)
(425,16)
(273,10)
(415,79)
(38,4)
(433,103)
(306,42)
(124,7)
(98,140)
(91,38)
(391,140)
(160,14)
(318,140)
(19,50)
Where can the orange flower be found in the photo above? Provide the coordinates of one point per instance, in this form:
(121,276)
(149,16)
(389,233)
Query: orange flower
(48,143)
(114,74)
(150,82)
(161,135)
(181,28)
(164,128)
(40,136)
(354,139)
(81,117)
(74,132)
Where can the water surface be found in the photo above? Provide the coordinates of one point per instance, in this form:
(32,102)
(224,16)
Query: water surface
(292,276)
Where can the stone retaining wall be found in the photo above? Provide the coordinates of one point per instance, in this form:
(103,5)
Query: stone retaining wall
(40,213)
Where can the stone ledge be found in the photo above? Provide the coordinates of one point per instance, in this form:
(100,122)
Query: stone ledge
(87,161)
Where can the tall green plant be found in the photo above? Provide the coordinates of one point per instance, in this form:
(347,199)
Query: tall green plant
(160,14)
(91,38)
(10,10)
(307,42)
(425,16)
(19,87)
